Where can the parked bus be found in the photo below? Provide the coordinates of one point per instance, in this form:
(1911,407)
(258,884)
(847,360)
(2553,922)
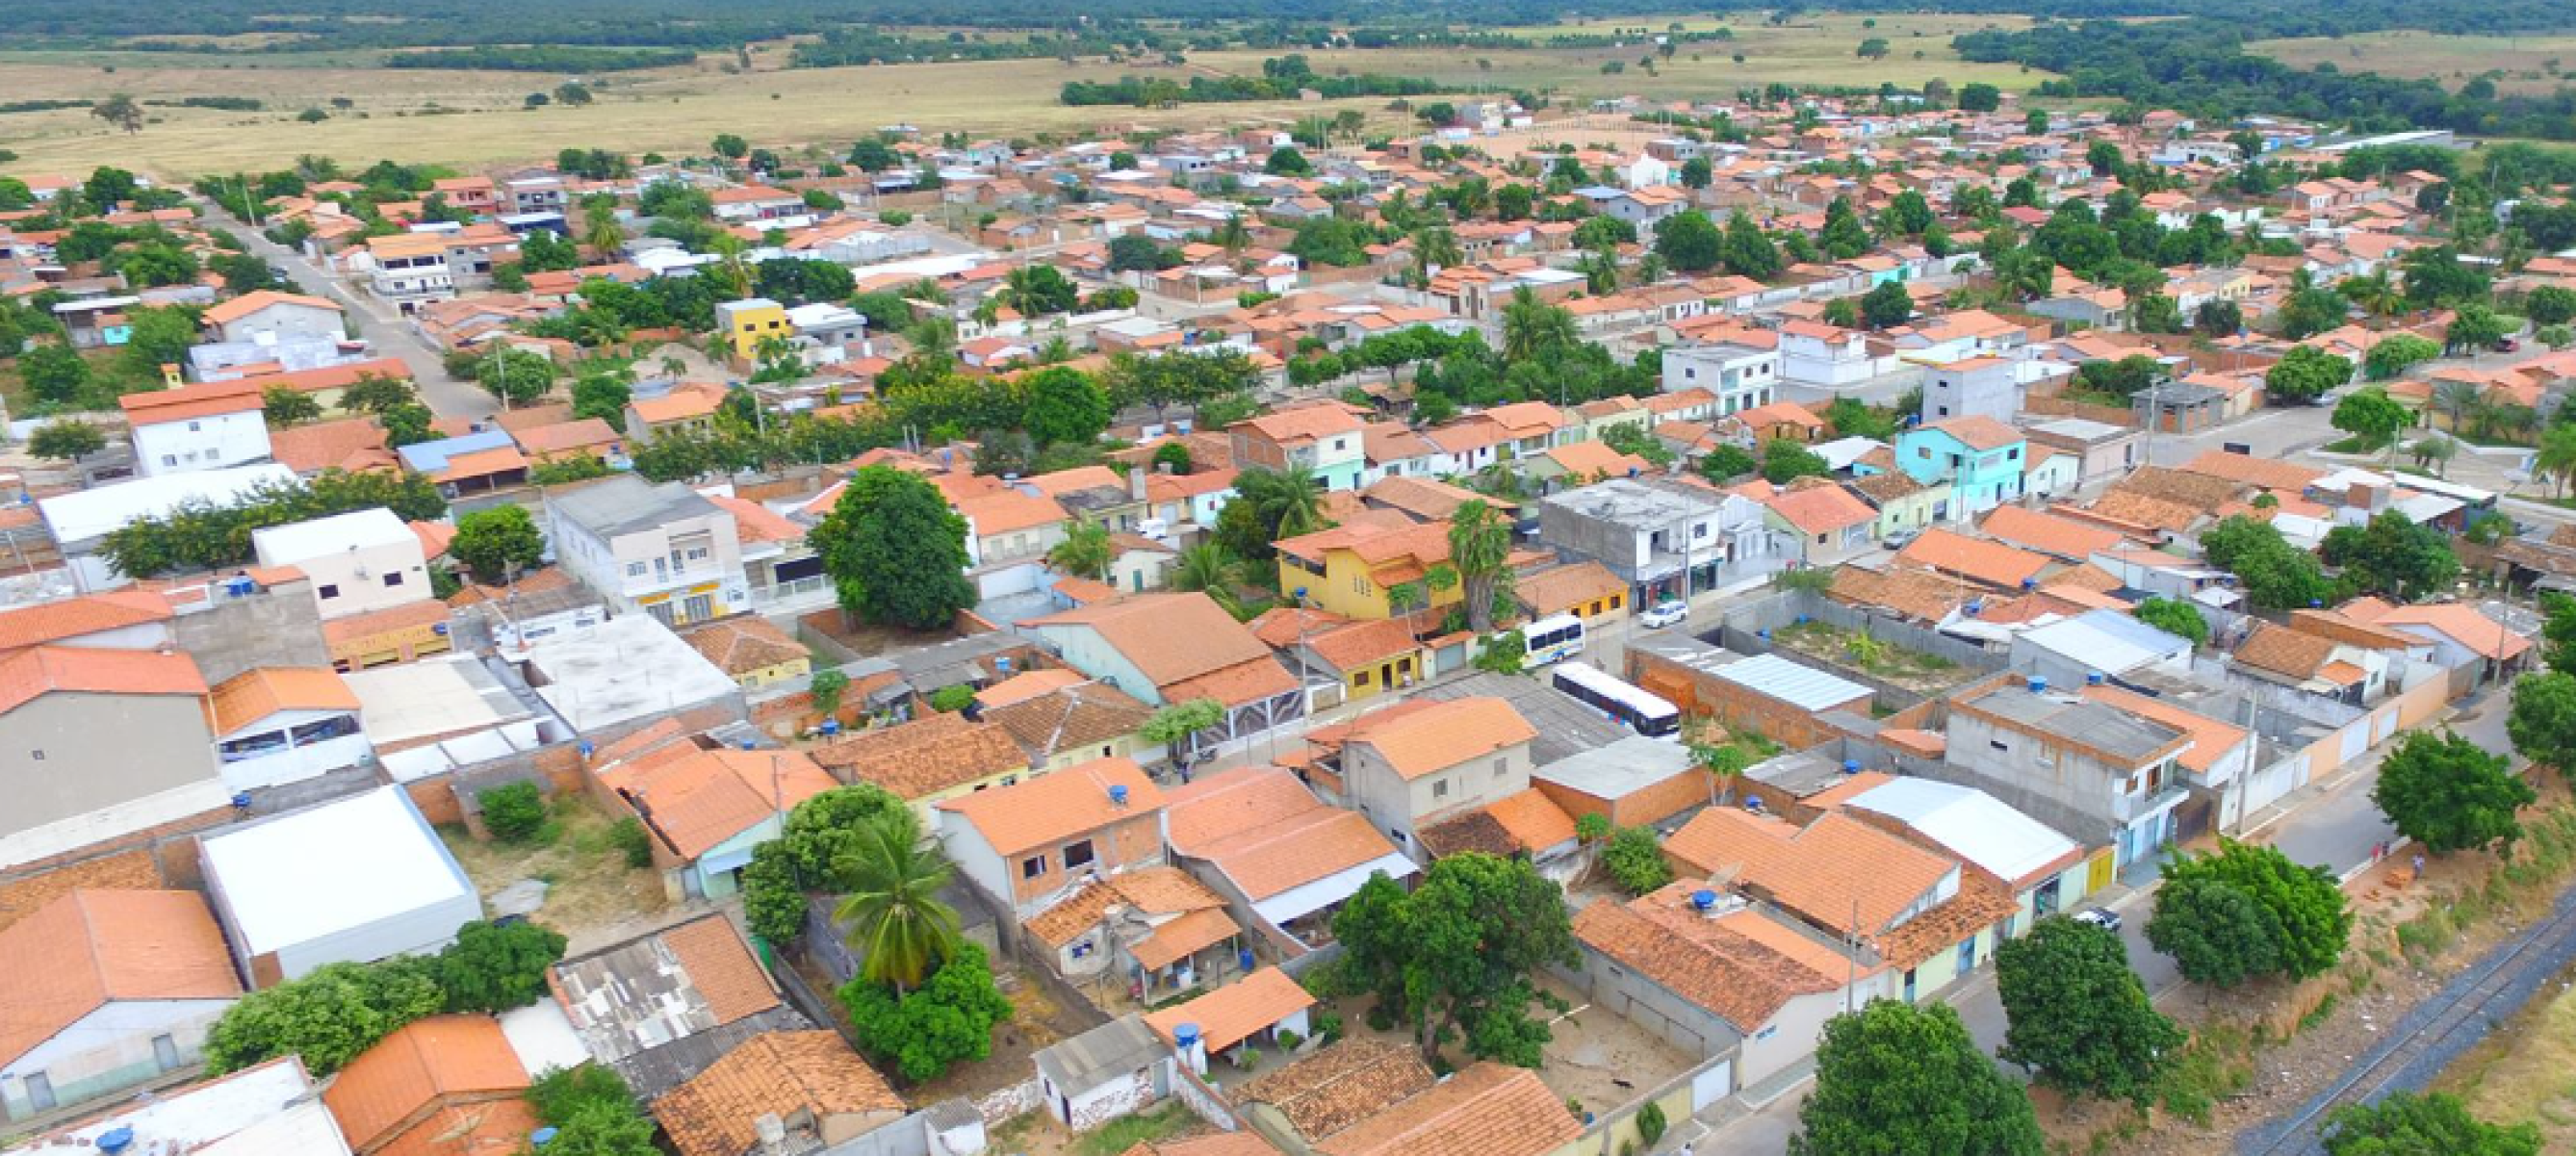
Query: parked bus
(1552,639)
(1644,713)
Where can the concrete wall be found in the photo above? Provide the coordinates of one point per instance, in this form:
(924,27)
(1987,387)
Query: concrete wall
(110,1050)
(67,754)
(232,635)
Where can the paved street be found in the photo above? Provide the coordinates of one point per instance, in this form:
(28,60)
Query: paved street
(384,329)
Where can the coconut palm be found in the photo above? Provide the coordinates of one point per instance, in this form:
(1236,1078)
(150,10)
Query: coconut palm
(1084,553)
(1480,546)
(1286,499)
(1435,249)
(1531,325)
(1206,567)
(2436,451)
(2374,294)
(2557,457)
(896,920)
(600,230)
(2457,398)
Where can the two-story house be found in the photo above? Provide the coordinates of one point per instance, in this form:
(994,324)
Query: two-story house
(409,270)
(1031,845)
(1817,522)
(1325,438)
(1980,459)
(274,315)
(662,550)
(1742,377)
(1173,647)
(1984,386)
(1663,539)
(359,562)
(1375,565)
(1816,354)
(211,426)
(1421,761)
(2080,765)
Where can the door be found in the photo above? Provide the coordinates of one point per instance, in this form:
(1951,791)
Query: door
(1712,1084)
(700,607)
(165,1052)
(2097,874)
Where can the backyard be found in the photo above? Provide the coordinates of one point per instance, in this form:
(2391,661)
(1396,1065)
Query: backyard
(590,889)
(1856,650)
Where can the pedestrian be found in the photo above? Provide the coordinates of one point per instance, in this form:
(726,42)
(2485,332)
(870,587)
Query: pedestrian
(2419,864)
(1686,1148)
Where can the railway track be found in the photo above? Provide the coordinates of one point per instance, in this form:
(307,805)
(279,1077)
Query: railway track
(2437,1031)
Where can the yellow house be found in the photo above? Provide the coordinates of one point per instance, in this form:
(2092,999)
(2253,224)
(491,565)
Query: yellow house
(1587,590)
(927,762)
(751,650)
(1354,569)
(1369,657)
(750,321)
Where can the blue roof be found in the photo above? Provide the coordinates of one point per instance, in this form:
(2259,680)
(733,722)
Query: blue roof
(431,457)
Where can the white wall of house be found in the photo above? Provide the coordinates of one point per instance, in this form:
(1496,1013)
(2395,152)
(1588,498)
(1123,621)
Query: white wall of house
(109,1050)
(286,319)
(214,442)
(290,747)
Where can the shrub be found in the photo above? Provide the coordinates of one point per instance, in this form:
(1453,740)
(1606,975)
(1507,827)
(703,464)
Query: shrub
(1289,1040)
(629,838)
(515,813)
(1328,1027)
(1650,1123)
(1592,828)
(1635,859)
(950,699)
(1381,1018)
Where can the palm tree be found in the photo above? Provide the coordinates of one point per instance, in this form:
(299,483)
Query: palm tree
(1480,546)
(1084,553)
(600,230)
(1206,567)
(730,270)
(1435,249)
(896,919)
(1531,325)
(2557,457)
(2375,294)
(2435,450)
(1286,499)
(2457,398)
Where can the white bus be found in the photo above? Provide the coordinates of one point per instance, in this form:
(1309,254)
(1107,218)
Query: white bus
(1644,713)
(1552,639)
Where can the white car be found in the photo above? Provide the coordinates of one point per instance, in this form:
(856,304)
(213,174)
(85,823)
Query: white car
(1669,612)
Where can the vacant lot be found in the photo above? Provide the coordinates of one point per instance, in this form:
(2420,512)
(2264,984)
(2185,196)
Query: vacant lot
(478,119)
(2527,63)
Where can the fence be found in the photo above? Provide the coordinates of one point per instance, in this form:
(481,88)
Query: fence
(1745,630)
(1203,1101)
(909,1136)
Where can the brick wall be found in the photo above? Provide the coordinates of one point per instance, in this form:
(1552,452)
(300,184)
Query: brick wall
(1133,842)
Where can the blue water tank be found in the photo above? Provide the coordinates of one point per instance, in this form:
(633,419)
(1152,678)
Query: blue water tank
(1118,794)
(1851,766)
(2038,683)
(115,1140)
(542,1136)
(1703,899)
(1185,1035)
(1243,958)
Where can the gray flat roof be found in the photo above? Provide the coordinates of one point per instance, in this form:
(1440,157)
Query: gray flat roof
(625,504)
(1620,769)
(2102,727)
(1116,1048)
(1630,503)
(1566,727)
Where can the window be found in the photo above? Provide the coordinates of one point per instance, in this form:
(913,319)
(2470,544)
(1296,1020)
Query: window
(1502,767)
(335,727)
(1945,411)
(327,591)
(634,569)
(1998,744)
(1033,866)
(1440,788)
(1360,678)
(2013,454)
(193,427)
(393,578)
(165,1052)
(1077,855)
(1923,452)
(1909,985)
(40,1092)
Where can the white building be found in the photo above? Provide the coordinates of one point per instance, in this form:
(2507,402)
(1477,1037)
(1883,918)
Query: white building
(407,269)
(1741,377)
(359,879)
(197,427)
(360,562)
(663,550)
(1813,353)
(277,725)
(273,1109)
(107,990)
(79,521)
(274,315)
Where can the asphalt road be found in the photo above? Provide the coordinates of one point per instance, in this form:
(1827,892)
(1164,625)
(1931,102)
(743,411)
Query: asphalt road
(386,332)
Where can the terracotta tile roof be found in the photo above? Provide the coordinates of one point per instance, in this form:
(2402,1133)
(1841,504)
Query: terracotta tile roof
(88,948)
(2462,624)
(1302,423)
(1059,806)
(2269,473)
(755,523)
(744,643)
(1236,1012)
(1266,832)
(481,464)
(698,799)
(1069,719)
(774,1073)
(1982,902)
(2201,492)
(1185,936)
(1738,965)
(434,537)
(1151,890)
(1819,509)
(227,312)
(1564,587)
(189,402)
(1819,871)
(1336,1087)
(1477,832)
(918,759)
(2346,629)
(1890,486)
(74,617)
(1978,433)
(2284,651)
(1244,682)
(721,967)
(2141,510)
(254,695)
(1976,559)
(1244,1143)
(1489,1109)
(1360,644)
(1442,735)
(1170,638)
(586,433)
(2049,534)
(1027,685)
(1917,594)
(1533,820)
(449,1061)
(40,670)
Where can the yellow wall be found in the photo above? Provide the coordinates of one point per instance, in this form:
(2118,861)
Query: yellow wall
(793,668)
(1124,746)
(1353,688)
(927,805)
(1347,588)
(752,326)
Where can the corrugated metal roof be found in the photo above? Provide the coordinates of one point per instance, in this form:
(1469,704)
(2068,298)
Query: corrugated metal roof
(1803,687)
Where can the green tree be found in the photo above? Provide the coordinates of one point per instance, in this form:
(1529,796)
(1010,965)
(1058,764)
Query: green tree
(1085,552)
(1900,1079)
(54,373)
(1533,328)
(1697,173)
(2397,353)
(375,393)
(895,551)
(2370,415)
(1690,242)
(498,543)
(2542,725)
(1287,162)
(2408,1124)
(2216,933)
(2558,631)
(2305,913)
(1636,860)
(516,376)
(328,1015)
(1455,959)
(513,813)
(1177,725)
(730,146)
(2446,793)
(1748,252)
(121,111)
(1480,546)
(819,835)
(2275,574)
(2304,374)
(603,396)
(2393,556)
(1785,461)
(897,922)
(2473,329)
(2077,1016)
(66,441)
(592,1111)
(950,1020)
(283,407)
(2175,617)
(1065,406)
(1980,97)
(492,968)
(1844,236)
(2218,317)
(1887,306)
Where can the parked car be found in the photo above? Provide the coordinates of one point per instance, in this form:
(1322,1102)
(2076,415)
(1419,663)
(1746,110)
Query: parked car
(2102,917)
(1669,612)
(1899,539)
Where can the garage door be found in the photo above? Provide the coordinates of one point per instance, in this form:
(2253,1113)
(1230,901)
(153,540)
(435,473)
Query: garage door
(2355,740)
(1712,1085)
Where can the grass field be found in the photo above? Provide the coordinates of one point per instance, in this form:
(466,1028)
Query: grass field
(476,119)
(2529,64)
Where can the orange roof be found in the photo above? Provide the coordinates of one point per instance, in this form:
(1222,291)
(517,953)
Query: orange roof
(355,444)
(1741,966)
(1266,831)
(1535,821)
(1978,433)
(227,312)
(255,695)
(721,967)
(188,402)
(1819,509)
(1236,1012)
(28,674)
(2049,534)
(1820,871)
(754,523)
(717,1113)
(482,464)
(1059,806)
(410,616)
(1028,685)
(1007,510)
(74,617)
(443,1061)
(684,402)
(2462,624)
(698,800)
(1170,638)
(88,948)
(1439,735)
(1490,1109)
(1992,563)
